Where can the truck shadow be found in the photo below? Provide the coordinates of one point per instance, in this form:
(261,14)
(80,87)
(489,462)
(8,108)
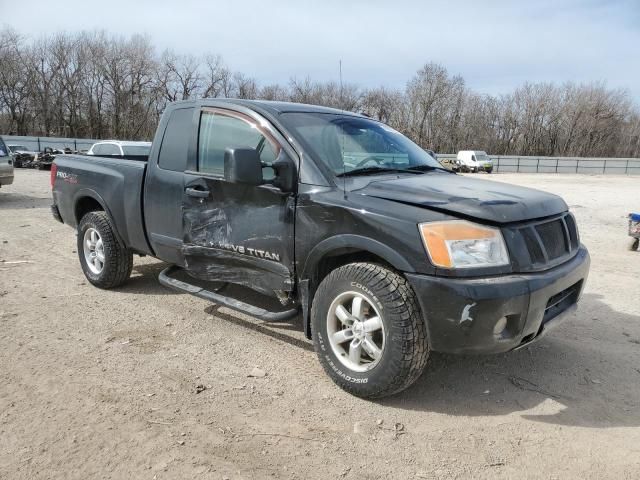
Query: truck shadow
(586,373)
(277,331)
(144,280)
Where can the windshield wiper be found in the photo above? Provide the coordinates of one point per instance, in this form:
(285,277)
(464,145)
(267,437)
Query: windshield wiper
(374,170)
(428,168)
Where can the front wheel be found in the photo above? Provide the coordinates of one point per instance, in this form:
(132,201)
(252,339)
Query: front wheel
(634,244)
(367,330)
(105,262)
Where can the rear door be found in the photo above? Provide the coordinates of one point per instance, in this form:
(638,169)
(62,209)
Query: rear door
(233,232)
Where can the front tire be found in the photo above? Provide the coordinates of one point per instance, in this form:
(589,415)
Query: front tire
(367,330)
(634,244)
(105,262)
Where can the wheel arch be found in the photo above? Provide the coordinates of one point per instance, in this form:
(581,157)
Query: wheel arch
(86,201)
(340,250)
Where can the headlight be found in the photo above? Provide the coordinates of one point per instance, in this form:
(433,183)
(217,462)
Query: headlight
(462,244)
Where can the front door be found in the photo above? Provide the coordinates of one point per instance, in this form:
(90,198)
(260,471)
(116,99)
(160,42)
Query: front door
(234,232)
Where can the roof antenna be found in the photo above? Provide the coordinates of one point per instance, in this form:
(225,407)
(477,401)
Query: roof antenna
(344,168)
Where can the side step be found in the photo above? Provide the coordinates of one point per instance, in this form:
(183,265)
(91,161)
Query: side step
(166,280)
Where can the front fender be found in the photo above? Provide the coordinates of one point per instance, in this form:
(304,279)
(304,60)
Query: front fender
(357,242)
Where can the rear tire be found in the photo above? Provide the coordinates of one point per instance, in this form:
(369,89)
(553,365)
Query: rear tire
(634,244)
(105,262)
(392,356)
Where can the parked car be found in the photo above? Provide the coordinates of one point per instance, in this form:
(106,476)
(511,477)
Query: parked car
(385,260)
(22,156)
(447,163)
(6,165)
(120,149)
(452,164)
(474,161)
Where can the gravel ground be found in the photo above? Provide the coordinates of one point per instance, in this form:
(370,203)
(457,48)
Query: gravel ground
(104,384)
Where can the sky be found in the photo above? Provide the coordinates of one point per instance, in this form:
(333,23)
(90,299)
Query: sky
(495,45)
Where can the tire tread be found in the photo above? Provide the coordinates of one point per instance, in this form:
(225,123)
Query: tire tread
(118,259)
(398,297)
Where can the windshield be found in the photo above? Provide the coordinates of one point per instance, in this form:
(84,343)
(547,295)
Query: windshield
(482,156)
(136,149)
(346,143)
(15,148)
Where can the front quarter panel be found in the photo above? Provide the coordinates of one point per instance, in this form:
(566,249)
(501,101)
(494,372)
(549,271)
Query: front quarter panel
(326,222)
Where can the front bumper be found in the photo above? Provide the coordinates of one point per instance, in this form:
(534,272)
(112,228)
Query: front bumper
(462,314)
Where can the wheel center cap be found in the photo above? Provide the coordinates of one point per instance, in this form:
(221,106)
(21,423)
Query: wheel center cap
(358,329)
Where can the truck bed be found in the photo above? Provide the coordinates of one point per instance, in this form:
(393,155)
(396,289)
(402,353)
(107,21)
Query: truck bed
(116,184)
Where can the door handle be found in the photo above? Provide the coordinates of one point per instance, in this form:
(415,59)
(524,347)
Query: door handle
(194,192)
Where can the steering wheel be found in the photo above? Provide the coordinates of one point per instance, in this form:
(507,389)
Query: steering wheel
(366,160)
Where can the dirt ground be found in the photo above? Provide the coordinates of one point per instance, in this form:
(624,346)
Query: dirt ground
(104,384)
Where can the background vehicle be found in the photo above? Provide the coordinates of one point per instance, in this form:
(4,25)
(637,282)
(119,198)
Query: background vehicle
(475,161)
(22,156)
(452,164)
(45,159)
(6,165)
(122,149)
(384,253)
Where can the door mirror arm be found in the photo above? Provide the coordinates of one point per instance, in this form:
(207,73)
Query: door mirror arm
(285,173)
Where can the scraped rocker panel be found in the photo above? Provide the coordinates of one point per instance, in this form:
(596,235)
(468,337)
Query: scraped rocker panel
(226,265)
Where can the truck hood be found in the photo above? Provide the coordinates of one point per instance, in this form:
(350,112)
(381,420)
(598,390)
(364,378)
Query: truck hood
(469,197)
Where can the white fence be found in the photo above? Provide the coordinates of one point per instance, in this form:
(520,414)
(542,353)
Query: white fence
(524,164)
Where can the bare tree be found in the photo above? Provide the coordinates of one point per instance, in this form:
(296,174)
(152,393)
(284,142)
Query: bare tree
(97,85)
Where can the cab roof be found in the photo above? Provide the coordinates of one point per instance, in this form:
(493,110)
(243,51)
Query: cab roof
(275,108)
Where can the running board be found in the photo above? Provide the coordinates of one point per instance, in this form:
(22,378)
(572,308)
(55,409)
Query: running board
(166,280)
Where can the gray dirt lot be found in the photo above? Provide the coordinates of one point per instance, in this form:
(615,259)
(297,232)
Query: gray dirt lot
(102,384)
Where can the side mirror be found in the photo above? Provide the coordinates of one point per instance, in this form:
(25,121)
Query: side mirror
(242,165)
(285,173)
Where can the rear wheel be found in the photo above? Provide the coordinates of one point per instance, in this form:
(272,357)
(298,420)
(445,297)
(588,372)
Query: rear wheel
(634,244)
(367,330)
(105,262)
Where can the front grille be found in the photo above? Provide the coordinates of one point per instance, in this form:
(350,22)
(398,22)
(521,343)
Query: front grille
(573,231)
(543,244)
(553,239)
(533,245)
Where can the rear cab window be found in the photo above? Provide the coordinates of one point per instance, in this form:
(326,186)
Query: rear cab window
(174,149)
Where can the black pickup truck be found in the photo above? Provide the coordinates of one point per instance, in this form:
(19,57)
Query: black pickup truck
(337,218)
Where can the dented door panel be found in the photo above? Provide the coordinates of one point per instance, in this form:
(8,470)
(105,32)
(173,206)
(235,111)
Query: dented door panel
(239,234)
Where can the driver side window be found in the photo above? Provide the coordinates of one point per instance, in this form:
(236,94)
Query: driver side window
(219,131)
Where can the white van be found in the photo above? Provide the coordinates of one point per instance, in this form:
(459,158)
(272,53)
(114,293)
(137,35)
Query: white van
(475,161)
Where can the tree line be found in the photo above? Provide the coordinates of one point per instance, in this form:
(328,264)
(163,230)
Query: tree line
(94,85)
